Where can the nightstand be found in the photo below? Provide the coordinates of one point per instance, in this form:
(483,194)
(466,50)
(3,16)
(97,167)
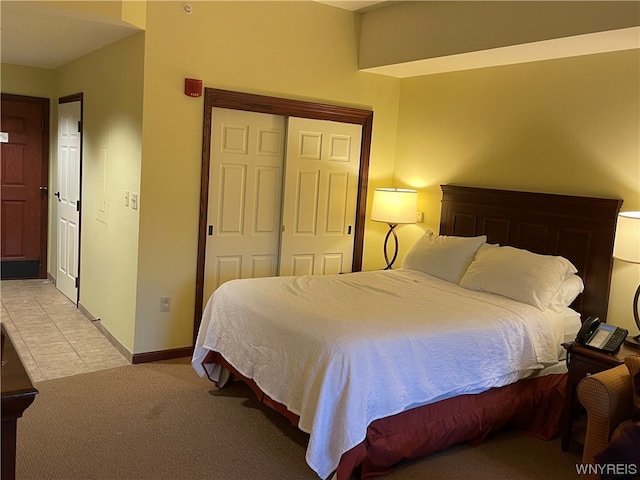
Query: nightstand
(583,361)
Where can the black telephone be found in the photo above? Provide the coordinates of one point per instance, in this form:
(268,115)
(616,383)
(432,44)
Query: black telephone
(600,336)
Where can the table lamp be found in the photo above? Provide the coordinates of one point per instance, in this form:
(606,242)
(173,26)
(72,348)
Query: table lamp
(394,206)
(626,247)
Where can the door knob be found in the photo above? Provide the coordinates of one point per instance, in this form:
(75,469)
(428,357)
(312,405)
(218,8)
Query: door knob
(57,194)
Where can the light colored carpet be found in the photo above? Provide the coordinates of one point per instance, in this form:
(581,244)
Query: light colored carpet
(161,421)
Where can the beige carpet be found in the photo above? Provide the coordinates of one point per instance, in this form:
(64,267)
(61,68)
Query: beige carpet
(161,421)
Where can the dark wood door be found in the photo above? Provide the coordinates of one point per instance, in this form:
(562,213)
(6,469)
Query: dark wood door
(24,180)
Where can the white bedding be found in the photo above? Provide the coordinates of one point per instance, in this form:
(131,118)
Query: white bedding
(342,351)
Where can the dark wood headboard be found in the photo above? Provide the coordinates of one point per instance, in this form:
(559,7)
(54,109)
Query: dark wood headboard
(581,229)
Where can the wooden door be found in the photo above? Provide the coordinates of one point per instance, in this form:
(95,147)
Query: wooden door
(68,197)
(245,189)
(24,179)
(320,196)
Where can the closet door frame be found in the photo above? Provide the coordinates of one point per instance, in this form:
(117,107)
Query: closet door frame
(214,97)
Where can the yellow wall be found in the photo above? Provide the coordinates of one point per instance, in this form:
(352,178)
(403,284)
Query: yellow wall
(135,12)
(301,50)
(111,80)
(29,81)
(563,126)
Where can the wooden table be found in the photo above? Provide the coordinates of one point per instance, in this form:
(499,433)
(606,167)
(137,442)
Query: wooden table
(17,394)
(583,361)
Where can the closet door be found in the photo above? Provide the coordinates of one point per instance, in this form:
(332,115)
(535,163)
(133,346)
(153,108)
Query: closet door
(320,194)
(245,190)
(215,99)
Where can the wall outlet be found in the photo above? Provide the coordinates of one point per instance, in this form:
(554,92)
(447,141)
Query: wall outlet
(165,304)
(420,217)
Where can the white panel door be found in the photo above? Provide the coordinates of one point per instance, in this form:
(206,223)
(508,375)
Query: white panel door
(68,193)
(245,192)
(320,192)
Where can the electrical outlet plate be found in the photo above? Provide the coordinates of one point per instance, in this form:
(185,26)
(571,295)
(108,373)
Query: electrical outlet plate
(134,201)
(126,198)
(165,304)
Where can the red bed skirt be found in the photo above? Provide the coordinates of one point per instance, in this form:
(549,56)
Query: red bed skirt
(531,405)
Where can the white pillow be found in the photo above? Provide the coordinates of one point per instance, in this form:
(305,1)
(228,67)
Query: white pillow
(518,274)
(445,257)
(567,293)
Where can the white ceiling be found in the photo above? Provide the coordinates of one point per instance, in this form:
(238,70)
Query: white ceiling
(38,36)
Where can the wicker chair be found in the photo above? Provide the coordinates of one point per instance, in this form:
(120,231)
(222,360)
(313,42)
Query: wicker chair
(608,399)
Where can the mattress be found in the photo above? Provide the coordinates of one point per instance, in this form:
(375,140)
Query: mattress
(342,351)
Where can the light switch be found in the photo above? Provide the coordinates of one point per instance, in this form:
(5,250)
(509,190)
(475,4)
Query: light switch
(165,304)
(134,200)
(126,198)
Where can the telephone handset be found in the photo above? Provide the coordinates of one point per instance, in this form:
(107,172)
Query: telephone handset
(600,336)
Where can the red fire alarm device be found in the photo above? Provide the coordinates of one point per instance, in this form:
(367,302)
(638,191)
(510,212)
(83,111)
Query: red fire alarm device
(192,87)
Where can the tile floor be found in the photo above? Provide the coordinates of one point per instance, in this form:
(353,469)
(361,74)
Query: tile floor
(54,339)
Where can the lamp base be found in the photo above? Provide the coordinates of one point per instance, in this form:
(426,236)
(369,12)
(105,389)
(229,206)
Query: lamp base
(391,231)
(633,342)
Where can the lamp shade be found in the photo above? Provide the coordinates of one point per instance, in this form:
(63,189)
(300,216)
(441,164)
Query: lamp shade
(627,242)
(394,205)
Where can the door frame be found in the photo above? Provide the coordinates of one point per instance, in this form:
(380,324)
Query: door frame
(76,97)
(214,97)
(44,172)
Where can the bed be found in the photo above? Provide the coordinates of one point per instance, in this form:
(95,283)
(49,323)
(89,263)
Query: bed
(377,370)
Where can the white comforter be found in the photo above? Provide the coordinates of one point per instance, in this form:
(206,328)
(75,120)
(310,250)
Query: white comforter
(342,351)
